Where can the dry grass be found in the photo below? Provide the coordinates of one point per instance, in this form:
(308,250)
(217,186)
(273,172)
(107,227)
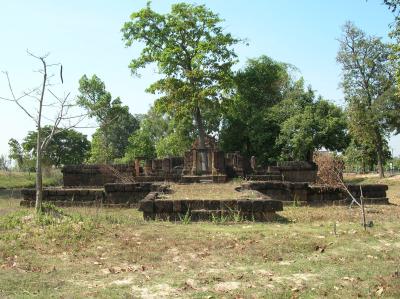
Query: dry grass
(209,191)
(113,253)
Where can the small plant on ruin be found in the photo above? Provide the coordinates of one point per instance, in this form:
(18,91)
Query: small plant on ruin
(237,217)
(187,218)
(219,219)
(296,202)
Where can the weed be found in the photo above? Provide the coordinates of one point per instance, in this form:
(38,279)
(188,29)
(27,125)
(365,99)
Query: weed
(13,220)
(237,216)
(187,218)
(220,218)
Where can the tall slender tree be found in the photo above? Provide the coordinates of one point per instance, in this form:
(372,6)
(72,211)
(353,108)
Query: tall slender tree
(369,85)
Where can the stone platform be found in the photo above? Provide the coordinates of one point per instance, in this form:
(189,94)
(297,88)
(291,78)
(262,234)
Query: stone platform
(306,194)
(113,194)
(206,210)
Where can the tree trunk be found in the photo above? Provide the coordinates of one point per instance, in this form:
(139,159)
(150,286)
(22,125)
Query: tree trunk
(379,150)
(202,139)
(380,163)
(39,182)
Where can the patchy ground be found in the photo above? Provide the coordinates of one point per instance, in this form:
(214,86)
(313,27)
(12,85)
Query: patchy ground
(113,253)
(209,191)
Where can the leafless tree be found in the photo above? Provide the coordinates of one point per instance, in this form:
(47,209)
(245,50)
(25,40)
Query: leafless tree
(330,174)
(60,106)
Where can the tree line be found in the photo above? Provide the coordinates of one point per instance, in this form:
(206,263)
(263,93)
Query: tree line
(263,109)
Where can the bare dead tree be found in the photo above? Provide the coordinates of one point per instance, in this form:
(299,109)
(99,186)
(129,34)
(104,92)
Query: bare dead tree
(60,122)
(330,173)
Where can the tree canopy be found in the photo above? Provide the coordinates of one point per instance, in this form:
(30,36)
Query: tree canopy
(159,136)
(67,147)
(194,57)
(273,117)
(115,121)
(369,86)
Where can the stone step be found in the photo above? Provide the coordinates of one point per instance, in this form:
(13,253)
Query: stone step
(200,178)
(268,177)
(205,181)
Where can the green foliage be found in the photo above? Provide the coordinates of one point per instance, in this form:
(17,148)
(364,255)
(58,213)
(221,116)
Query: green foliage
(361,157)
(25,160)
(193,55)
(159,136)
(140,145)
(94,97)
(100,152)
(12,220)
(319,124)
(249,123)
(369,87)
(116,123)
(187,218)
(395,164)
(66,147)
(171,145)
(16,153)
(274,117)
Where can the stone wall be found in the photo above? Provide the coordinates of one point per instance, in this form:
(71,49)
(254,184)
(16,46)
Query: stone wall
(98,175)
(197,210)
(174,169)
(132,193)
(317,194)
(296,171)
(95,174)
(64,197)
(113,194)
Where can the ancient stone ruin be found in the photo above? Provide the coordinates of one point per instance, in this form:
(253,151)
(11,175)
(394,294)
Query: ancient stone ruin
(204,210)
(138,185)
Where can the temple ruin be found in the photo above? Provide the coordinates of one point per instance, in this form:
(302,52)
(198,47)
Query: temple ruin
(139,184)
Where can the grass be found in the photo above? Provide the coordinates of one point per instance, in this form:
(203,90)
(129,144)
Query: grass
(113,253)
(14,179)
(209,191)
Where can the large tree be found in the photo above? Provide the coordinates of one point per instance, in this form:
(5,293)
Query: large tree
(369,87)
(273,117)
(69,147)
(115,121)
(193,55)
(316,125)
(159,136)
(249,122)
